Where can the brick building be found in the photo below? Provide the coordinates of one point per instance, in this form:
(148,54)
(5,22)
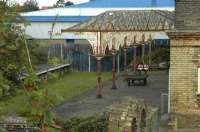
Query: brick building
(184,79)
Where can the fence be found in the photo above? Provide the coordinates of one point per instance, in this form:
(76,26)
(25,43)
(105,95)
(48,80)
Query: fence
(79,55)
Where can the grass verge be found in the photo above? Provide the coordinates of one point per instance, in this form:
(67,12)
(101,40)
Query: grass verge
(68,86)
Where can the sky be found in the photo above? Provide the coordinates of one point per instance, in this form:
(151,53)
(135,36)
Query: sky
(51,2)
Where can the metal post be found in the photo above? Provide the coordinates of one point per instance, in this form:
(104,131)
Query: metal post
(99,81)
(125,61)
(89,62)
(134,58)
(113,72)
(118,63)
(143,52)
(125,56)
(150,54)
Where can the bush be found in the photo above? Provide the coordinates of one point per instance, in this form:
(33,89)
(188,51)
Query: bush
(98,123)
(54,61)
(161,55)
(31,81)
(52,76)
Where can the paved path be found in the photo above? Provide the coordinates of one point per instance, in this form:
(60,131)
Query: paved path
(87,104)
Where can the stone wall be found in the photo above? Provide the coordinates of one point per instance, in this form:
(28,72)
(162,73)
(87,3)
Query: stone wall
(132,115)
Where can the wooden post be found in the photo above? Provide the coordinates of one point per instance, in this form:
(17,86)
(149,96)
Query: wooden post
(113,71)
(99,81)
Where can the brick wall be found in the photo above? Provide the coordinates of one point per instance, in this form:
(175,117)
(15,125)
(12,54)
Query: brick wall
(185,57)
(183,74)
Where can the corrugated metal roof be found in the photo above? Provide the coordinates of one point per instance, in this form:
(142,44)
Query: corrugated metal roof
(125,3)
(58,19)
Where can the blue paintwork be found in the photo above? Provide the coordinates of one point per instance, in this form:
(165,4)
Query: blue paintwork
(59,19)
(125,4)
(104,4)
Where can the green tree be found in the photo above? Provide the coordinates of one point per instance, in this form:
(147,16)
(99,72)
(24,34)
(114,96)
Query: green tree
(68,3)
(14,56)
(30,5)
(161,55)
(62,3)
(11,47)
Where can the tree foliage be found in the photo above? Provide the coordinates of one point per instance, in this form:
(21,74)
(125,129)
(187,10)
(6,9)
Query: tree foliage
(30,5)
(62,3)
(14,58)
(11,46)
(161,55)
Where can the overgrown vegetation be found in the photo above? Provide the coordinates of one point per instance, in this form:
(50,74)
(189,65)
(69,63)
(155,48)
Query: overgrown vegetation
(35,105)
(38,52)
(21,95)
(22,92)
(96,123)
(15,50)
(12,49)
(70,85)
